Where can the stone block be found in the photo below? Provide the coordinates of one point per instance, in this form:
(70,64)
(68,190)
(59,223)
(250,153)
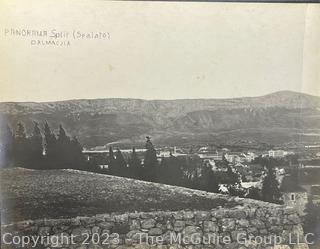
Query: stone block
(202,215)
(134,235)
(121,218)
(238,236)
(188,215)
(95,229)
(147,215)
(134,224)
(237,214)
(190,223)
(135,215)
(210,226)
(192,234)
(80,234)
(228,224)
(292,219)
(243,223)
(148,223)
(178,225)
(87,220)
(178,215)
(257,223)
(218,214)
(106,225)
(155,231)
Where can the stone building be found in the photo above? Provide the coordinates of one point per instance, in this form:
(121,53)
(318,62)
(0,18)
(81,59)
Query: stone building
(293,195)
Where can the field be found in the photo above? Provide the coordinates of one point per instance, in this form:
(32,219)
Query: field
(31,194)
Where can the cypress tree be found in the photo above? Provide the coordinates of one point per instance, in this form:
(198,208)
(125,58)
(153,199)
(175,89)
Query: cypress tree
(36,149)
(121,165)
(150,161)
(111,162)
(311,221)
(212,182)
(233,177)
(77,158)
(50,147)
(63,139)
(270,187)
(170,171)
(64,149)
(20,147)
(135,169)
(6,147)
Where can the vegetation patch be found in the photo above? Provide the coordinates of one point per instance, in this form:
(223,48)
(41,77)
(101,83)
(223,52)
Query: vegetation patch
(33,194)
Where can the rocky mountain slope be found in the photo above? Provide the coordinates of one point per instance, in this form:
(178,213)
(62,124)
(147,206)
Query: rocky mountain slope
(274,118)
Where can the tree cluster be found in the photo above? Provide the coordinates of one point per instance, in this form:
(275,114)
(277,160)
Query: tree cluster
(187,172)
(40,150)
(311,222)
(47,150)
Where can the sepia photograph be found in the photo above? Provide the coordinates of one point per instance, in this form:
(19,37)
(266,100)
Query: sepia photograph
(159,125)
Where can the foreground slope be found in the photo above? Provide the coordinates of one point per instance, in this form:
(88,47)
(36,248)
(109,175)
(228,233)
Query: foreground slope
(32,194)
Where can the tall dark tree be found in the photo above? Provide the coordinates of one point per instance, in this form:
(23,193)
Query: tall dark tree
(311,222)
(224,160)
(36,149)
(77,159)
(6,146)
(223,164)
(50,147)
(191,168)
(234,178)
(121,165)
(111,162)
(270,186)
(62,136)
(20,147)
(170,171)
(135,168)
(212,182)
(65,150)
(150,162)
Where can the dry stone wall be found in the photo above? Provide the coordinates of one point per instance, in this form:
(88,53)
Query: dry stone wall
(270,226)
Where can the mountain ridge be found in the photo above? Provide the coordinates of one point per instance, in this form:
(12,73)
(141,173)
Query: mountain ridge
(182,99)
(103,121)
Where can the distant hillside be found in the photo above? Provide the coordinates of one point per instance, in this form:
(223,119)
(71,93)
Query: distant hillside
(275,118)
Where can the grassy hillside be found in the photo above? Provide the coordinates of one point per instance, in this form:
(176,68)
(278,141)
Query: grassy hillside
(30,194)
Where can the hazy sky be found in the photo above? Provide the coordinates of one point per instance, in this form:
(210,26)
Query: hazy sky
(160,50)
